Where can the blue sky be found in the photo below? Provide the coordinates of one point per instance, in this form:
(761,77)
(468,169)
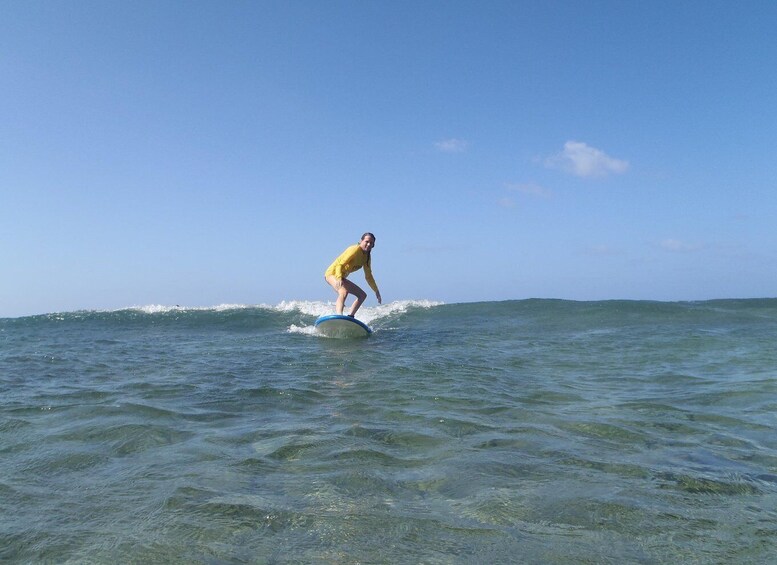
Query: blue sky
(202,153)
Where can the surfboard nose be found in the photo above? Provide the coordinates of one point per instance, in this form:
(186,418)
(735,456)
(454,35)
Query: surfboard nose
(337,325)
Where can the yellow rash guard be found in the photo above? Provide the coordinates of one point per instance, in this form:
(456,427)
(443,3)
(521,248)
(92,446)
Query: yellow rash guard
(350,260)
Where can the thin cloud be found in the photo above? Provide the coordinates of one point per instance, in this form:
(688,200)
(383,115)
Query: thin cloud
(582,160)
(677,246)
(452,145)
(530,189)
(603,250)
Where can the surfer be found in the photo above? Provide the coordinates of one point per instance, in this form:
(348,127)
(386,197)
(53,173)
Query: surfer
(352,259)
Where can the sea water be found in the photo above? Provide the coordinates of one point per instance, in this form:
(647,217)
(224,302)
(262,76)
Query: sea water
(533,431)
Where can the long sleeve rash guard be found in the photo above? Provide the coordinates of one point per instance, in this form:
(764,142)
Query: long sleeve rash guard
(350,260)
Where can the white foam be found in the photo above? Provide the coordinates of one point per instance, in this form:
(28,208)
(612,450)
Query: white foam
(162,309)
(304,330)
(311,308)
(370,314)
(367,314)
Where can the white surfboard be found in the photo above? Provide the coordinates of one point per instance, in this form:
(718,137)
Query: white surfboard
(336,325)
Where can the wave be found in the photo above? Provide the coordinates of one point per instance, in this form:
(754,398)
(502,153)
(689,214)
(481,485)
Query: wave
(297,316)
(162,309)
(307,307)
(367,314)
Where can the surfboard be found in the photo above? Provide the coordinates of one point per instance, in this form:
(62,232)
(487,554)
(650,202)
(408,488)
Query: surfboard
(335,325)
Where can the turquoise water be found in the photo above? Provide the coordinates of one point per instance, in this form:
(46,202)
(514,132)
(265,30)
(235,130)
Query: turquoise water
(534,431)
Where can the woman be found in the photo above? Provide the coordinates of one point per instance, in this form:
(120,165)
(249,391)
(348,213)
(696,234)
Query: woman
(350,260)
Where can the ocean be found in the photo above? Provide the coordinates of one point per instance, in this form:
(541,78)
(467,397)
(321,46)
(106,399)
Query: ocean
(527,431)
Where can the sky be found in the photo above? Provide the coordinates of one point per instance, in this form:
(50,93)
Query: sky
(203,153)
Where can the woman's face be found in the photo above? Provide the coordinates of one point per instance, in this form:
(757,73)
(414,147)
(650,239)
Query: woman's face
(367,243)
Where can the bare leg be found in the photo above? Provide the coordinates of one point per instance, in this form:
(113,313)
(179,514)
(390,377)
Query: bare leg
(343,289)
(358,293)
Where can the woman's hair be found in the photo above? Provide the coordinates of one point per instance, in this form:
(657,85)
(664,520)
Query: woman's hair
(369,255)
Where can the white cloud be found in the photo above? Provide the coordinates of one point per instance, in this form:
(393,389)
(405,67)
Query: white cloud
(452,145)
(582,160)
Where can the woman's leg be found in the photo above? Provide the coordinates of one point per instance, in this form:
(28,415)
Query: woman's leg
(343,288)
(341,291)
(358,293)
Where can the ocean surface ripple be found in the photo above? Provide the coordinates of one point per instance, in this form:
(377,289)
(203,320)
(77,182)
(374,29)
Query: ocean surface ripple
(532,431)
